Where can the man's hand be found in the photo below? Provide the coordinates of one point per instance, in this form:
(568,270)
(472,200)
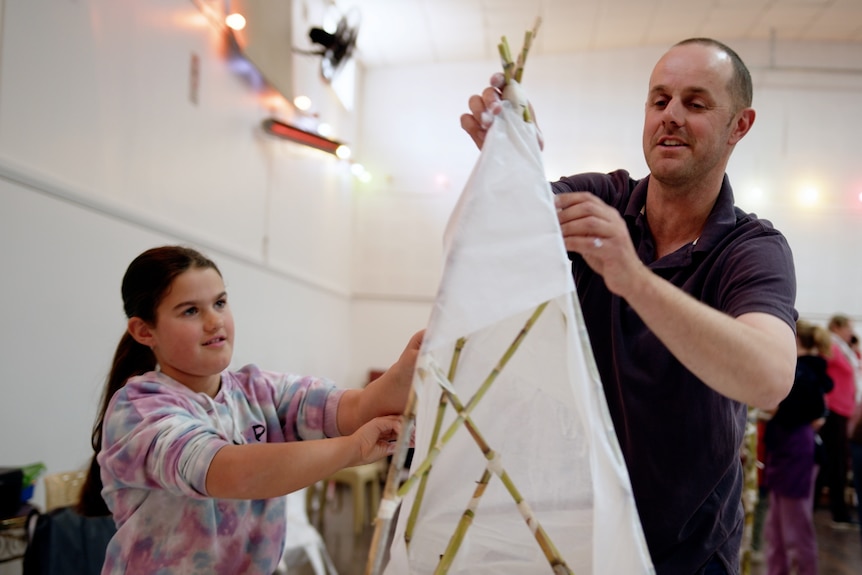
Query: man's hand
(485,107)
(599,234)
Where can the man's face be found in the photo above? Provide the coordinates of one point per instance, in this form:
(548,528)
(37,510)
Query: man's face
(690,121)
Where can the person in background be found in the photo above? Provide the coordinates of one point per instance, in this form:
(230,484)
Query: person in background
(842,366)
(193,459)
(688,302)
(791,542)
(857,351)
(854,432)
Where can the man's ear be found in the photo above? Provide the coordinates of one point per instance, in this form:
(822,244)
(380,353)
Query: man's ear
(141,332)
(742,126)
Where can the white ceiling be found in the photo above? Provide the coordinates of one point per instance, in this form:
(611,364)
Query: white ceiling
(400,32)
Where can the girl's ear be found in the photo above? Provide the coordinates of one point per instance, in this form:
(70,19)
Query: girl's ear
(141,332)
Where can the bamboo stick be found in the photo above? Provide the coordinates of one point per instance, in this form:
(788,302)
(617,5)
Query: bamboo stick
(461,529)
(750,491)
(545,543)
(434,452)
(506,57)
(438,424)
(390,499)
(529,36)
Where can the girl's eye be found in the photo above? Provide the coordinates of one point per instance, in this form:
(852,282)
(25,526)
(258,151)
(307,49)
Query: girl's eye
(220,304)
(190,311)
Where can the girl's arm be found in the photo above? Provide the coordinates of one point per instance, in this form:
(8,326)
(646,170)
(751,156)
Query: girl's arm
(368,419)
(265,470)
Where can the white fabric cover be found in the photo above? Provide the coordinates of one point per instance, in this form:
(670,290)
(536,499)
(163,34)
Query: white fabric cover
(545,415)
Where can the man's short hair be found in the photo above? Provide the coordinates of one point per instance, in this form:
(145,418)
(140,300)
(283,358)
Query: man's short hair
(740,86)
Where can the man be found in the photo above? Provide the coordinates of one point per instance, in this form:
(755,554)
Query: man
(688,302)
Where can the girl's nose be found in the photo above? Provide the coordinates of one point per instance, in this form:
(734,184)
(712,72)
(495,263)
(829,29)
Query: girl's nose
(214,322)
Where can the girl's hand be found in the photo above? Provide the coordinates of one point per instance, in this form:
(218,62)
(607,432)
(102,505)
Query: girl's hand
(376,439)
(402,370)
(386,395)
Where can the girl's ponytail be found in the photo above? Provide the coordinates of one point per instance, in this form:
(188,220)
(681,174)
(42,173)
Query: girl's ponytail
(130,359)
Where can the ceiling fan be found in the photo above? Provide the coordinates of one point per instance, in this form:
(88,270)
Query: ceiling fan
(336,47)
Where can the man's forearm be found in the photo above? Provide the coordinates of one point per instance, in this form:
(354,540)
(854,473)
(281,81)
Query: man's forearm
(751,358)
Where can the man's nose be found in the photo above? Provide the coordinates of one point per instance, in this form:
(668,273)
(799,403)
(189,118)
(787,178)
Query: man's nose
(675,112)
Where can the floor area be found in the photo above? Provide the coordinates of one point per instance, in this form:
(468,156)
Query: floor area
(840,551)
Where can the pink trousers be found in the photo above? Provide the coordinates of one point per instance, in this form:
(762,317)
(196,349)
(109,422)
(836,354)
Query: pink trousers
(790,536)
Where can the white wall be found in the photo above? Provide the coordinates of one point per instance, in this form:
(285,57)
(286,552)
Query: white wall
(590,108)
(103,155)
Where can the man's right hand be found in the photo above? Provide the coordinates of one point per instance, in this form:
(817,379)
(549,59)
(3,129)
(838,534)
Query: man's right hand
(484,108)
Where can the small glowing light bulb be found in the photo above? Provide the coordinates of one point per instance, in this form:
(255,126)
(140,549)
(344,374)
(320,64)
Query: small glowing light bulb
(302,103)
(235,21)
(343,152)
(809,196)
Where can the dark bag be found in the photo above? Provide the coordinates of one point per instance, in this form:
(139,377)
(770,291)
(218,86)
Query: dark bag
(66,543)
(10,491)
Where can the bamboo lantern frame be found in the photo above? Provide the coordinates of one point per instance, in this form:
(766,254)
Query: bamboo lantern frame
(393,493)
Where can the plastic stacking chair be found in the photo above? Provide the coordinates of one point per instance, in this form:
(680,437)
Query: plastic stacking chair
(364,483)
(303,542)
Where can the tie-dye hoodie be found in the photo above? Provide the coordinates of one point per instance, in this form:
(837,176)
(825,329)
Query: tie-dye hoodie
(158,441)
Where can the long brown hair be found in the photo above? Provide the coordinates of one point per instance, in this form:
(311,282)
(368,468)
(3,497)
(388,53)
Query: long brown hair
(813,337)
(146,282)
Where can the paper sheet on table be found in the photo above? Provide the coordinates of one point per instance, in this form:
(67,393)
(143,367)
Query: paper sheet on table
(545,414)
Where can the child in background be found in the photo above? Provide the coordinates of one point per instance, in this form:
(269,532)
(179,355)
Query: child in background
(790,463)
(192,460)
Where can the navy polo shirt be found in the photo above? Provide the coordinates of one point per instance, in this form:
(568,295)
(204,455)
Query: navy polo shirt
(681,440)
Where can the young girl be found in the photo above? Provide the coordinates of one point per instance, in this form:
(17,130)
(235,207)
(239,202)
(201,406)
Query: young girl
(192,459)
(790,464)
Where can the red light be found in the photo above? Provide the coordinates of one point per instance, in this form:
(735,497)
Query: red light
(300,136)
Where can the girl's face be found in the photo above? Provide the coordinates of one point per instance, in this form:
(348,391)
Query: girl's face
(193,336)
